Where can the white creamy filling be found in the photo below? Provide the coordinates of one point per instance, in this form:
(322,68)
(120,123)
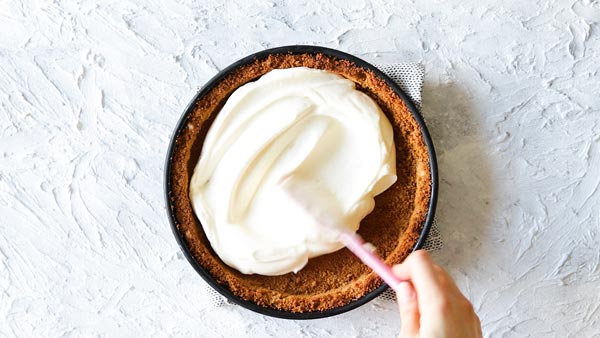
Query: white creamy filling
(308,124)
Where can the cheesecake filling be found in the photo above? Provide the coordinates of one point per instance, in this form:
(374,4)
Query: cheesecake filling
(308,125)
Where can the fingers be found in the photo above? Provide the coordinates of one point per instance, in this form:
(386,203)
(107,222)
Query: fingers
(409,310)
(445,280)
(432,293)
(420,270)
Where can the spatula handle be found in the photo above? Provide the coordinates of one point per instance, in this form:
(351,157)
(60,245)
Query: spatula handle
(356,244)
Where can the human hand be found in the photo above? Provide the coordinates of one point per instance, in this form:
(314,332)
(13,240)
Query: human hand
(431,305)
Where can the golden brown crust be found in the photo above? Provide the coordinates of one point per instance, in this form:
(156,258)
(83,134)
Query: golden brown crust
(331,280)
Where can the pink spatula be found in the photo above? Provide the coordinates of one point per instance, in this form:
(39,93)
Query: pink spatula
(321,205)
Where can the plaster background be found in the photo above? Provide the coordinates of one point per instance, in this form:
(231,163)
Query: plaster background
(90,92)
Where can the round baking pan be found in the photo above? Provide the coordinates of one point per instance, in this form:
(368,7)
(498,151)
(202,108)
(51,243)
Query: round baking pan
(298,49)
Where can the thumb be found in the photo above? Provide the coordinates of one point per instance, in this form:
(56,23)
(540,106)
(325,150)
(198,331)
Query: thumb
(409,310)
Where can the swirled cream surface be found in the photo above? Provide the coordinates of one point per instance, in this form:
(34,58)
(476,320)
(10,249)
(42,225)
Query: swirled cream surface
(306,125)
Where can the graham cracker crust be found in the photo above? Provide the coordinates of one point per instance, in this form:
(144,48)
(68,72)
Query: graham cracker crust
(338,278)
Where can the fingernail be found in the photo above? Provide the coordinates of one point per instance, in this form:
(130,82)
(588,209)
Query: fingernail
(406,294)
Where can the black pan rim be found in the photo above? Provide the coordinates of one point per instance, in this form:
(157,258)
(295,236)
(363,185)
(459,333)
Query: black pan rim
(298,49)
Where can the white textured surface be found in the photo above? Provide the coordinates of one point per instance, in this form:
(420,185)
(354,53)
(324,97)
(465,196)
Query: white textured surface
(90,92)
